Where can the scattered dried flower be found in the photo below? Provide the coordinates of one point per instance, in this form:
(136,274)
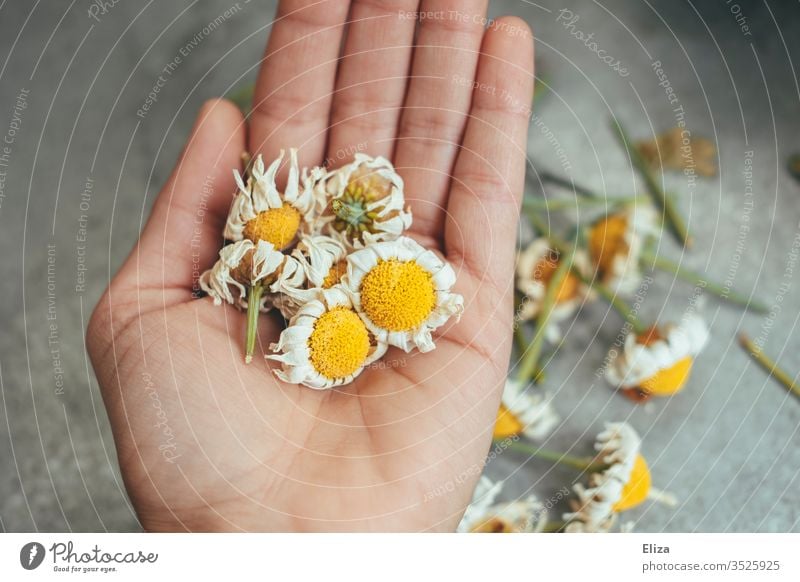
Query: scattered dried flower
(615,246)
(523,413)
(659,361)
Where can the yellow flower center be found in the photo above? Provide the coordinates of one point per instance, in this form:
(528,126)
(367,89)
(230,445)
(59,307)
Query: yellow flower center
(607,240)
(277,226)
(339,344)
(637,488)
(543,272)
(506,424)
(335,274)
(669,380)
(397,295)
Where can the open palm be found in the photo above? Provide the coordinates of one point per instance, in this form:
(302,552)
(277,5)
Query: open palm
(206,442)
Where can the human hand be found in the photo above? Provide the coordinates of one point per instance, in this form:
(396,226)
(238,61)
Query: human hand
(208,443)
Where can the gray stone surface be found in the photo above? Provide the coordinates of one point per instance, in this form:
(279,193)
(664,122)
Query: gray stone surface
(727,447)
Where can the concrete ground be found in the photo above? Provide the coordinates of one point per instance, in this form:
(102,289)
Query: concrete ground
(80,167)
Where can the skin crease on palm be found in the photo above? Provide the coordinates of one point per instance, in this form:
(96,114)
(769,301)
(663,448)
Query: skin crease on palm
(206,442)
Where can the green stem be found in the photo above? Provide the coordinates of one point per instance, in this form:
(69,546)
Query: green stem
(568,184)
(580,202)
(671,213)
(769,365)
(253,304)
(530,359)
(649,258)
(625,310)
(579,463)
(522,346)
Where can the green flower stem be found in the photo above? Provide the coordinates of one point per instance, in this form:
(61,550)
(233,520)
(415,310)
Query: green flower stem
(253,304)
(650,259)
(579,202)
(580,463)
(530,359)
(671,213)
(522,346)
(568,184)
(625,310)
(769,365)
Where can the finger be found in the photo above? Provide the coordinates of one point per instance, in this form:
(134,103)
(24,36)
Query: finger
(490,172)
(436,106)
(371,81)
(184,232)
(292,99)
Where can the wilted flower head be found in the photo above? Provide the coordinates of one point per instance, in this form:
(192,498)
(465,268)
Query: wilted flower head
(535,267)
(402,291)
(524,413)
(624,483)
(326,343)
(363,202)
(242,265)
(659,361)
(615,246)
(322,262)
(262,212)
(484,516)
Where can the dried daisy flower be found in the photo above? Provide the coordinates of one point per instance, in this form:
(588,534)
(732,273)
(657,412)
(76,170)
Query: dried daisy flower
(323,263)
(241,266)
(615,246)
(624,483)
(251,269)
(402,292)
(523,413)
(363,202)
(535,267)
(486,491)
(261,212)
(658,362)
(482,516)
(326,343)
